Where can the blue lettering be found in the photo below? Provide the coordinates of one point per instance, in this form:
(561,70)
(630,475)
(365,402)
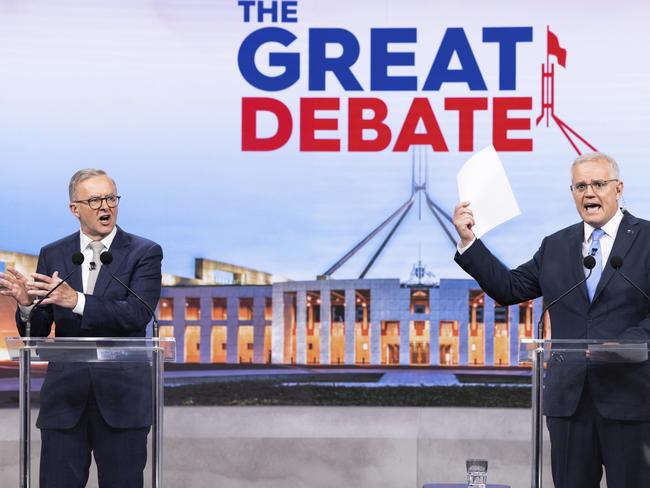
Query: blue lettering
(247,4)
(454,41)
(320,64)
(289,61)
(381,59)
(507,37)
(290,14)
(262,11)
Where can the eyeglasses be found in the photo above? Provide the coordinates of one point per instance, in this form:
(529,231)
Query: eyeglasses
(95,203)
(596,185)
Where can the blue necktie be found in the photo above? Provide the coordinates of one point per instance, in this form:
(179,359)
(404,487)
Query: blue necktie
(594,249)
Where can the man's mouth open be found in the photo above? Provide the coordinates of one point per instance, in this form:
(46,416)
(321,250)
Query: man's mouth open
(591,208)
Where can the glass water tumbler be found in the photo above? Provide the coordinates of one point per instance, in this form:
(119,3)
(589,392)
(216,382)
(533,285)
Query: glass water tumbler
(476,473)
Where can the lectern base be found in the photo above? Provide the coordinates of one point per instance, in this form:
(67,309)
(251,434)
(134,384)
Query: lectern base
(459,485)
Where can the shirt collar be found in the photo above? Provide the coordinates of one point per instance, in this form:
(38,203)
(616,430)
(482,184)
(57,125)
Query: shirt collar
(107,241)
(610,228)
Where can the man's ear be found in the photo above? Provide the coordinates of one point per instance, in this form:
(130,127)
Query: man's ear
(74,209)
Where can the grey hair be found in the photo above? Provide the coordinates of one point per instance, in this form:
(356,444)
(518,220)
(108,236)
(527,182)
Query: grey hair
(82,175)
(598,156)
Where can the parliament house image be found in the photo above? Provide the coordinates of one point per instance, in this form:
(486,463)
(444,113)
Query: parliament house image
(232,314)
(345,322)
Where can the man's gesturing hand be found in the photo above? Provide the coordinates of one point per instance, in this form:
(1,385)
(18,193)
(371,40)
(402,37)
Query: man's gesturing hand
(13,284)
(464,221)
(64,296)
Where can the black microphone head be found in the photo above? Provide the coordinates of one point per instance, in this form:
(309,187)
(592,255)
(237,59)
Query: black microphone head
(106,257)
(616,262)
(589,262)
(77,258)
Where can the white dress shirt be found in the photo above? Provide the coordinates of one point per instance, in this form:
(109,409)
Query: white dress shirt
(462,249)
(84,246)
(607,240)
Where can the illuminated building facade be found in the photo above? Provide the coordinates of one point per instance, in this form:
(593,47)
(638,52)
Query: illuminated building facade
(218,324)
(330,322)
(346,322)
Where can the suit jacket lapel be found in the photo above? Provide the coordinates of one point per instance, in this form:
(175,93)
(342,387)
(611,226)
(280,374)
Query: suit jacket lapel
(119,250)
(576,238)
(626,235)
(70,247)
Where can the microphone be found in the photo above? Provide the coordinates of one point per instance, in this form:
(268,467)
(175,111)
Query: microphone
(107,258)
(589,262)
(77,259)
(616,262)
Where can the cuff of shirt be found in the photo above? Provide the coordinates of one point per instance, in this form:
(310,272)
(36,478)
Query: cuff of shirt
(25,311)
(461,250)
(81,304)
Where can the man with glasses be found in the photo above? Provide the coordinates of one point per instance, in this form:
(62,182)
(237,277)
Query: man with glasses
(103,409)
(597,415)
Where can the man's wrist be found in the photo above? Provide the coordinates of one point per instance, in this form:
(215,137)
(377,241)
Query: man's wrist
(80,305)
(464,245)
(30,302)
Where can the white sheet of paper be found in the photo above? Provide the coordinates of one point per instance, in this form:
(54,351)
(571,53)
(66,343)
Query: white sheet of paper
(483,182)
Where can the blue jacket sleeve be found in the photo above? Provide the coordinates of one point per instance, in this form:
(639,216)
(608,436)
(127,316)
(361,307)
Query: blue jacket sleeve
(504,285)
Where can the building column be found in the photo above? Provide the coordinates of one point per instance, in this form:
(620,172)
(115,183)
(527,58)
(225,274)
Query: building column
(350,319)
(325,325)
(179,326)
(277,325)
(259,303)
(232,329)
(462,312)
(289,312)
(301,327)
(488,320)
(404,342)
(434,327)
(537,315)
(513,330)
(206,329)
(375,338)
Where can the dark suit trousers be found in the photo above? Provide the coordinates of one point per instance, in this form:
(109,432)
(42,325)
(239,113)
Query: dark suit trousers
(120,454)
(583,443)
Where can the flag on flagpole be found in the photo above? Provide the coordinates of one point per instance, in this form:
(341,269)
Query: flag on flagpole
(554,48)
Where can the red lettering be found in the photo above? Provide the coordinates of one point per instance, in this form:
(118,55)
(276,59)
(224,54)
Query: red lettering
(466,108)
(250,107)
(309,124)
(420,110)
(357,124)
(501,123)
(367,117)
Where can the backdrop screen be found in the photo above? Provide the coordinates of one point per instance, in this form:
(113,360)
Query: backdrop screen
(275,135)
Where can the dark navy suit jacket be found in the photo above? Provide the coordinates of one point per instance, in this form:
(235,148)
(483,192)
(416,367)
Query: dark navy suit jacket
(618,311)
(122,390)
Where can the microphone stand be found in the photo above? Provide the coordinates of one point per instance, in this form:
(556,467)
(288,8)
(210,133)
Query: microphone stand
(589,262)
(24,396)
(157,384)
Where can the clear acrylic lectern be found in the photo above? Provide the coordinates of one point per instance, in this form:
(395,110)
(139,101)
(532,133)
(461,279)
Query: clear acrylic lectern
(149,351)
(600,353)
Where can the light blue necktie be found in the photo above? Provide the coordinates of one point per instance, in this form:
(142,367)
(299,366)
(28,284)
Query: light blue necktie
(594,249)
